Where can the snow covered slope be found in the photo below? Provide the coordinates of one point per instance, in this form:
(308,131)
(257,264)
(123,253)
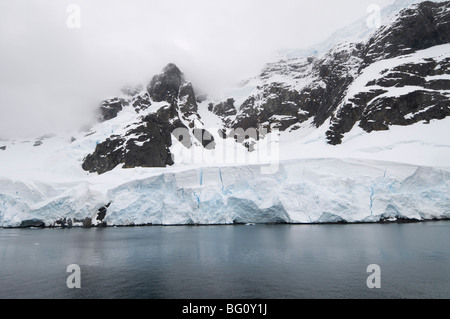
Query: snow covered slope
(358,134)
(358,31)
(313,182)
(398,76)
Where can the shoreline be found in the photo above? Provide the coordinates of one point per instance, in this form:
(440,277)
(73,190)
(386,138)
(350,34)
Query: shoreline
(383,222)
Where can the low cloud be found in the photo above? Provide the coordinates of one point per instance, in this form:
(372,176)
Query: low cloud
(53,76)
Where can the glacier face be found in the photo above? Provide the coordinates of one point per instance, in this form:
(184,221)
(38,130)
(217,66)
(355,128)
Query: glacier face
(48,202)
(301,191)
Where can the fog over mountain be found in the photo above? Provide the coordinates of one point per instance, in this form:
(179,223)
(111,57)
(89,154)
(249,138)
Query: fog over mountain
(53,76)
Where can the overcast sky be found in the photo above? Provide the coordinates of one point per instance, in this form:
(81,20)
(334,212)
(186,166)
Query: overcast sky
(52,75)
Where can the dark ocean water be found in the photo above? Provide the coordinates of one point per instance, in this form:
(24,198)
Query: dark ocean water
(232,262)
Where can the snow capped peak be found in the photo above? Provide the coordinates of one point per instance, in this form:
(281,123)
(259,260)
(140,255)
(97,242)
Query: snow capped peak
(417,27)
(338,85)
(358,31)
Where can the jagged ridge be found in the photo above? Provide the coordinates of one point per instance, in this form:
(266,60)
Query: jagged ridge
(291,92)
(400,76)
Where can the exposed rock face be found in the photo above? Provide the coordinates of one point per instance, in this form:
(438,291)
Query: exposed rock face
(187,105)
(309,89)
(419,27)
(86,222)
(147,142)
(226,110)
(101,214)
(165,86)
(382,82)
(135,96)
(275,107)
(319,89)
(63,223)
(32,223)
(145,145)
(110,108)
(408,91)
(405,110)
(141,102)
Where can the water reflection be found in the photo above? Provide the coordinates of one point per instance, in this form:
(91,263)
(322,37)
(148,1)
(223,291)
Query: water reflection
(262,261)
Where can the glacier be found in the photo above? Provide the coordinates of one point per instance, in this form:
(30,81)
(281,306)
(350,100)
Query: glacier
(304,191)
(386,176)
(389,175)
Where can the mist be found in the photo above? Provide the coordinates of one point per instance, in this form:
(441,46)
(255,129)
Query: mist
(53,75)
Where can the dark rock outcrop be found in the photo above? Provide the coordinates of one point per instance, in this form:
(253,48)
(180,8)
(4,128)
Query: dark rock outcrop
(146,143)
(283,106)
(225,110)
(141,102)
(316,89)
(64,223)
(101,214)
(32,223)
(375,111)
(110,108)
(86,222)
(166,86)
(419,27)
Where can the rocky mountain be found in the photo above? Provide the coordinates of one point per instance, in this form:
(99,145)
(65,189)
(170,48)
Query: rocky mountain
(146,142)
(356,32)
(423,78)
(399,76)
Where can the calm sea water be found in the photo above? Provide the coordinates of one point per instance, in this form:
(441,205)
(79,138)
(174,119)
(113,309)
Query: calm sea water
(242,262)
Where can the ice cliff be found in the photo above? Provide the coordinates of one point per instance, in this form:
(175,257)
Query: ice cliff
(300,191)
